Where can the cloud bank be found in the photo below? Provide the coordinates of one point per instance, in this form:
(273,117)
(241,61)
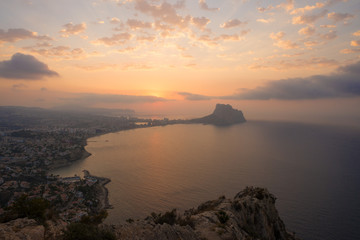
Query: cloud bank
(344,83)
(194,97)
(26,67)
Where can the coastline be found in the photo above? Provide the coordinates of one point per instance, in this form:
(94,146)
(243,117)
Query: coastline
(103,193)
(84,154)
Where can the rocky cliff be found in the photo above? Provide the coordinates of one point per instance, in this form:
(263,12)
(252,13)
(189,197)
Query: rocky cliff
(223,115)
(251,214)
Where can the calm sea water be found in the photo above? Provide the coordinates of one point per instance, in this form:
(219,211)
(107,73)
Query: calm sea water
(314,171)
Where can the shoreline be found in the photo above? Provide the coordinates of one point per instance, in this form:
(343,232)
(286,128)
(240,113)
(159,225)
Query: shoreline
(85,154)
(102,192)
(103,196)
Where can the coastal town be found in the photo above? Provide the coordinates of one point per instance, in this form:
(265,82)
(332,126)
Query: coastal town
(32,144)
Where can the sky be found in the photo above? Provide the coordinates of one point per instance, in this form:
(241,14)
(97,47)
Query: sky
(280,59)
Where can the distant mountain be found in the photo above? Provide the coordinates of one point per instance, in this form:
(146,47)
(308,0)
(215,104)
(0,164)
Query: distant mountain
(223,115)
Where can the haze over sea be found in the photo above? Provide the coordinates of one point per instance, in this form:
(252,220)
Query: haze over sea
(313,170)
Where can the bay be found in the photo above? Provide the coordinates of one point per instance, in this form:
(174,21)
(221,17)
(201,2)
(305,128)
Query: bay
(313,170)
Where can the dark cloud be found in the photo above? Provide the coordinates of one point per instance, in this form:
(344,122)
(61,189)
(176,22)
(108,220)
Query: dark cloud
(342,84)
(22,66)
(194,97)
(16,34)
(89,99)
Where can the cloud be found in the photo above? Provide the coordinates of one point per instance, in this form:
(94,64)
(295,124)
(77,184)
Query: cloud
(329,36)
(147,38)
(58,51)
(340,17)
(200,22)
(165,12)
(264,9)
(26,67)
(328,26)
(194,97)
(72,29)
(349,51)
(307,31)
(343,83)
(234,37)
(308,19)
(355,43)
(208,40)
(312,43)
(279,42)
(17,34)
(116,39)
(136,24)
(298,63)
(288,5)
(203,5)
(262,20)
(114,20)
(90,99)
(307,8)
(232,23)
(357,34)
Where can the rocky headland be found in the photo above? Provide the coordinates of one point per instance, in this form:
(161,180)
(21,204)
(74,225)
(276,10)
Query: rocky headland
(223,115)
(251,214)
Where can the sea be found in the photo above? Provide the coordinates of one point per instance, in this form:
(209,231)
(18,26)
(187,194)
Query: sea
(313,170)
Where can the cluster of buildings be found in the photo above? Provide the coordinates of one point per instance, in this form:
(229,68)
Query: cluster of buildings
(34,150)
(25,158)
(34,141)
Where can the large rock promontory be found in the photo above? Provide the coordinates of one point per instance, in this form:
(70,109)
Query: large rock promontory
(223,115)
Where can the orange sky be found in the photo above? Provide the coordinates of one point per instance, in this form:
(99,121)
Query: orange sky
(298,58)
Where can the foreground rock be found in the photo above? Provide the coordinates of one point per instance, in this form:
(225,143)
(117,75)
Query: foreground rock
(22,228)
(250,215)
(223,115)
